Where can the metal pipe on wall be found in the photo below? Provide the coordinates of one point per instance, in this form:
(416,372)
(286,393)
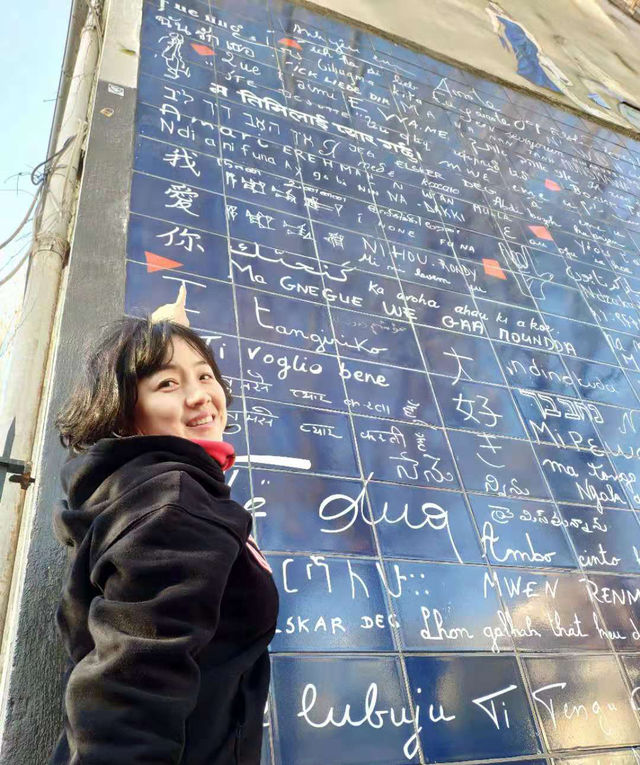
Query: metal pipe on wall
(32,348)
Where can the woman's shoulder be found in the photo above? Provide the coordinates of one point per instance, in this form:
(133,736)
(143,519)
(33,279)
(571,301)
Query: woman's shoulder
(176,488)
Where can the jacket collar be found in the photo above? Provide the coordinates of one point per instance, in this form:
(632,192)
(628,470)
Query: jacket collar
(123,458)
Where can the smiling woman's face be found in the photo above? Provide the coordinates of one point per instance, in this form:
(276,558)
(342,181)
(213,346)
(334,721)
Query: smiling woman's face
(174,397)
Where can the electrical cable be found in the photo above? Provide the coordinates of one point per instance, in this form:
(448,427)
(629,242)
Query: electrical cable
(15,270)
(53,160)
(40,182)
(47,171)
(24,220)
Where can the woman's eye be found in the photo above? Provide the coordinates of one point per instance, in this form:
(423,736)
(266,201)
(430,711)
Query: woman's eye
(164,383)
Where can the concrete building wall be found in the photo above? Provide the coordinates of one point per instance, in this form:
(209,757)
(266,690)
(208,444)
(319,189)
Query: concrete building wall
(588,48)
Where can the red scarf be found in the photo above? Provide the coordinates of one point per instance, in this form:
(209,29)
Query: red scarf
(222,452)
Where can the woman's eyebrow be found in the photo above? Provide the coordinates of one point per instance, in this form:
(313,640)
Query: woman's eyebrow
(173,366)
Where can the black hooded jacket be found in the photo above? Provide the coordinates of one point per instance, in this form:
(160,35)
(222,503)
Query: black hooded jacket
(166,612)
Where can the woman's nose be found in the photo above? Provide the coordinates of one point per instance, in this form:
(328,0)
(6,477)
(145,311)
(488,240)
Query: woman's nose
(196,395)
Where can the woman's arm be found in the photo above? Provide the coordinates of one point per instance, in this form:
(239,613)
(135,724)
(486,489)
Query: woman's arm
(162,583)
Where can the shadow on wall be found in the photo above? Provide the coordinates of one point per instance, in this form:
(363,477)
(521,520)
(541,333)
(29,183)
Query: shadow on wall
(591,90)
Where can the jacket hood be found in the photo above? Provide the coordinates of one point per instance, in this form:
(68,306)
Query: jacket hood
(112,466)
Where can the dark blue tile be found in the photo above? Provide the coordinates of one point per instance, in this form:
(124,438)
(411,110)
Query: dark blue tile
(522,328)
(254,122)
(448,310)
(472,708)
(290,275)
(266,753)
(633,378)
(278,373)
(560,420)
(166,247)
(490,280)
(583,250)
(537,370)
(177,164)
(627,469)
(443,607)
(459,356)
(604,542)
(474,406)
(176,105)
(388,392)
(573,338)
(299,438)
(617,600)
(618,428)
(422,523)
(626,349)
(333,705)
(597,382)
(579,476)
(594,685)
(336,209)
(209,304)
(167,123)
(522,533)
(403,453)
(273,192)
(563,301)
(274,319)
(255,224)
(296,512)
(330,604)
(420,270)
(369,338)
(236,73)
(353,250)
(179,203)
(420,231)
(330,174)
(256,152)
(614,317)
(548,612)
(495,465)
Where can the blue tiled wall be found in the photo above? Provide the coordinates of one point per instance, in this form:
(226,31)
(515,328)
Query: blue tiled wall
(424,289)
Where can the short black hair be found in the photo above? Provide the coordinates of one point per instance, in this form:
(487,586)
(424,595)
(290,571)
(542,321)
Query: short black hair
(102,403)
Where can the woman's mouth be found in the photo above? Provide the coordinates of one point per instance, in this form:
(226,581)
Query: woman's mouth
(201,422)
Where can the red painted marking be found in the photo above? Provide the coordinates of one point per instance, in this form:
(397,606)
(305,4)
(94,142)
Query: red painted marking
(493,268)
(203,50)
(542,232)
(290,43)
(158,263)
(552,185)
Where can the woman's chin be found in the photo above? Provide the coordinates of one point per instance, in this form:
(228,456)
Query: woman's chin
(206,433)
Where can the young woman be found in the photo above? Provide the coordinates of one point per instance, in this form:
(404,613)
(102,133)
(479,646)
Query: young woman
(168,606)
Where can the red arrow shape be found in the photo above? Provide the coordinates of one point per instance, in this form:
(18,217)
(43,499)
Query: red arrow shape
(542,232)
(493,268)
(552,185)
(203,50)
(158,263)
(290,43)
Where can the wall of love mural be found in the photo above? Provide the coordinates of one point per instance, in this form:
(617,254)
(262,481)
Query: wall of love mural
(424,289)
